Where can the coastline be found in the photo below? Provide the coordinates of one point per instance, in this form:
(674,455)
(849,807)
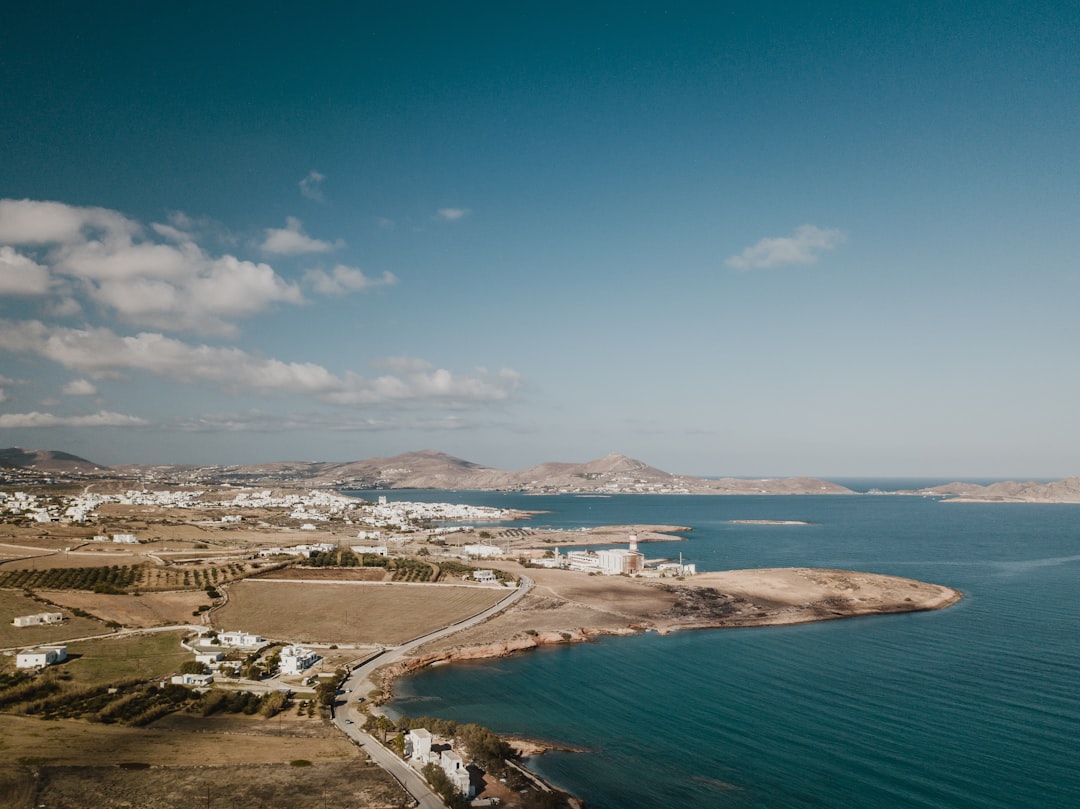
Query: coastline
(729,599)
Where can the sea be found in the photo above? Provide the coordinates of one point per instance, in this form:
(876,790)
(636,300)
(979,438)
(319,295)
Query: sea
(972,707)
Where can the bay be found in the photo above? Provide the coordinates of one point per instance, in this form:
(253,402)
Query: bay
(973,706)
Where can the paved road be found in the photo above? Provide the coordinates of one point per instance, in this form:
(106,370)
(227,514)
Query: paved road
(359,682)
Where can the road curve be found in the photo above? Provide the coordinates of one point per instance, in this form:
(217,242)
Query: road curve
(359,682)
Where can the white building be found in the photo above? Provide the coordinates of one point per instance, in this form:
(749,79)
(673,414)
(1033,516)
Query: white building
(125,539)
(39,618)
(418,744)
(609,562)
(486,576)
(238,638)
(209,658)
(482,551)
(41,657)
(294,659)
(199,680)
(371,550)
(677,569)
(454,768)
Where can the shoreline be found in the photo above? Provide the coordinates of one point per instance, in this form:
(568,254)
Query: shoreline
(759,598)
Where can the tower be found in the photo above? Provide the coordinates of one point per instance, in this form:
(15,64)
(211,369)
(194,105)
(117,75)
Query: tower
(633,543)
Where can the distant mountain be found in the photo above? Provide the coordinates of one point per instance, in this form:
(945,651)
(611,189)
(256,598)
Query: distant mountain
(46,460)
(427,469)
(1059,491)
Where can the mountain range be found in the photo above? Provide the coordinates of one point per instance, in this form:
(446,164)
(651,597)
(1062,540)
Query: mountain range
(429,469)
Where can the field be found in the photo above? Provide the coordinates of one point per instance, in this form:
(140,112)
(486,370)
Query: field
(148,609)
(348,612)
(14,602)
(67,764)
(111,659)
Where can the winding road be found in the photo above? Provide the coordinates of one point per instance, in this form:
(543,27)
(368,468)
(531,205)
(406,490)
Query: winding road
(359,682)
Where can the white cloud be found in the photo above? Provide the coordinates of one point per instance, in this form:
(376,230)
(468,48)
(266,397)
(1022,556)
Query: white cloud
(25,221)
(452,214)
(342,280)
(102,418)
(311,186)
(384,223)
(100,353)
(21,275)
(802,247)
(80,387)
(115,262)
(291,240)
(3,396)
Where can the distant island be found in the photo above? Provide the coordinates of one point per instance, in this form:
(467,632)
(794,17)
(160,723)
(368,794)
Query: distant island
(430,469)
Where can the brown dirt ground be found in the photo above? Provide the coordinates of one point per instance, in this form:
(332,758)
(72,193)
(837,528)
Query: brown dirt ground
(566,601)
(348,612)
(148,609)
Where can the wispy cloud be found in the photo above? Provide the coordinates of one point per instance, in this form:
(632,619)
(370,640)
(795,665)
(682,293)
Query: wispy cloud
(103,418)
(100,353)
(342,280)
(311,186)
(452,214)
(291,240)
(802,247)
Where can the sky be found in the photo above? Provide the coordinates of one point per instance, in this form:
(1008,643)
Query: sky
(725,238)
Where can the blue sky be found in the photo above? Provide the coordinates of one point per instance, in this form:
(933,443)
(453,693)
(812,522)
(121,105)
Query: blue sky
(747,238)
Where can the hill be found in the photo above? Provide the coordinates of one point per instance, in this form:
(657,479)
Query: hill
(46,460)
(428,469)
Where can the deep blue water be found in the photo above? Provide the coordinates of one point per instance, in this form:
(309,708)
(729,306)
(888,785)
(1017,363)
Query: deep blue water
(977,705)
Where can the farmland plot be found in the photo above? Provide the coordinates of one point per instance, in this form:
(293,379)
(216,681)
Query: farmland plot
(349,612)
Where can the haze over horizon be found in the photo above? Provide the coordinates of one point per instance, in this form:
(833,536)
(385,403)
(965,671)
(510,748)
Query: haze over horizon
(748,239)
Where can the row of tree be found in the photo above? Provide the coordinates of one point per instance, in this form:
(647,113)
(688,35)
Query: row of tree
(115,578)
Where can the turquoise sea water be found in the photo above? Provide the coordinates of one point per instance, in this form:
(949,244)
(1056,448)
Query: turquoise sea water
(974,706)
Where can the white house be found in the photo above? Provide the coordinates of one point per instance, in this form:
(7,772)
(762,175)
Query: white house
(294,659)
(39,618)
(418,744)
(199,680)
(41,657)
(238,638)
(487,576)
(209,658)
(454,768)
(125,539)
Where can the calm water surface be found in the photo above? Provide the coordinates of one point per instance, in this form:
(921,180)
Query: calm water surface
(974,706)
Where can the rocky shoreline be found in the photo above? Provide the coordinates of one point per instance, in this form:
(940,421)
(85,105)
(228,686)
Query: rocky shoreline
(729,599)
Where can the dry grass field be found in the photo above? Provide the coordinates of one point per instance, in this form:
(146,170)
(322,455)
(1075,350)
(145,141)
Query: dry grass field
(14,602)
(244,761)
(348,612)
(126,657)
(148,609)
